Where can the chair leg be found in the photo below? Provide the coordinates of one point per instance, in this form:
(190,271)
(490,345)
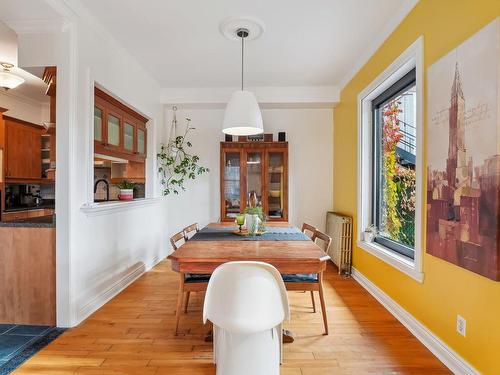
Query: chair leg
(313,301)
(180,298)
(280,327)
(187,302)
(322,300)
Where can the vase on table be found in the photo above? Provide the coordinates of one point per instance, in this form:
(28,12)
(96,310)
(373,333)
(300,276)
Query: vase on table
(252,223)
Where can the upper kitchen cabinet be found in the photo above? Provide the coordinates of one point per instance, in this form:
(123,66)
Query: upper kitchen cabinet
(119,131)
(23,142)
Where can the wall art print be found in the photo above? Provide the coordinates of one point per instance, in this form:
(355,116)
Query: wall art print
(463,161)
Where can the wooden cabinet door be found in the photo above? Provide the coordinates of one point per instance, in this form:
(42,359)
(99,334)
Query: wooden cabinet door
(276,184)
(232,194)
(141,140)
(16,215)
(23,151)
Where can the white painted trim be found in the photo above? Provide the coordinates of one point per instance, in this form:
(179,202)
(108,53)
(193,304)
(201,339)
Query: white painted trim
(413,57)
(151,126)
(23,98)
(396,260)
(443,352)
(380,38)
(37,26)
(106,295)
(105,208)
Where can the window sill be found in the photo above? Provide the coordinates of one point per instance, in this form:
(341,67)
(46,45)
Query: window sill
(105,208)
(397,261)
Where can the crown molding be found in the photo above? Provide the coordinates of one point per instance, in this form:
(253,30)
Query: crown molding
(37,26)
(267,96)
(24,99)
(381,37)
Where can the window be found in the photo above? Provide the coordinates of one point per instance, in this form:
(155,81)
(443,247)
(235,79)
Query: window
(394,148)
(390,137)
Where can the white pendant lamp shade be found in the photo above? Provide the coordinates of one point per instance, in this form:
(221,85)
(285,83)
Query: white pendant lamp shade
(9,80)
(242,116)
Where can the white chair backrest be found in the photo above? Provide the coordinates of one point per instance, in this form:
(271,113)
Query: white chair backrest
(246,297)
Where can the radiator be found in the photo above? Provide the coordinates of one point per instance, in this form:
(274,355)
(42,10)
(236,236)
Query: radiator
(339,228)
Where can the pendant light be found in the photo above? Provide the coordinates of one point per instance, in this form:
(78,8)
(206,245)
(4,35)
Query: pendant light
(242,116)
(9,80)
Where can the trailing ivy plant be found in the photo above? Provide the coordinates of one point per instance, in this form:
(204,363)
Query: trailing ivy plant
(176,165)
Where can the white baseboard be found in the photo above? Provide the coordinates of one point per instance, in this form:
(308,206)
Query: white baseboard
(443,352)
(106,295)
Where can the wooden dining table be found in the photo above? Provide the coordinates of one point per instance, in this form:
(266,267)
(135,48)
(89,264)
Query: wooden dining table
(289,257)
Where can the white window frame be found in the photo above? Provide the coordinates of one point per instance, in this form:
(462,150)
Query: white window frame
(91,208)
(410,59)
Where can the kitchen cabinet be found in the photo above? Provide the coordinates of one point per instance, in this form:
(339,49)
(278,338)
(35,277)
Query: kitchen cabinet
(23,142)
(119,131)
(28,275)
(259,168)
(16,215)
(26,214)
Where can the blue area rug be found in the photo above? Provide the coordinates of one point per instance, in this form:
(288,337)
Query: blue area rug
(19,342)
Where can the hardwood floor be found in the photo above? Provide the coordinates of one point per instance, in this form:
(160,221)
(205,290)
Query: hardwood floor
(133,334)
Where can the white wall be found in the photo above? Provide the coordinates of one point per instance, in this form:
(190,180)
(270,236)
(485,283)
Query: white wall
(107,249)
(310,138)
(25,108)
(97,254)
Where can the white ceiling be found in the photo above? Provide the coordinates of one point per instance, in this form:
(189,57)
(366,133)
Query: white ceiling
(26,10)
(305,43)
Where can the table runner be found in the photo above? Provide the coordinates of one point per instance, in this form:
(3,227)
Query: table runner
(271,234)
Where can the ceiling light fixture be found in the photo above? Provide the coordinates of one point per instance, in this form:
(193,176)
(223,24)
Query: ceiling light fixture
(242,115)
(9,80)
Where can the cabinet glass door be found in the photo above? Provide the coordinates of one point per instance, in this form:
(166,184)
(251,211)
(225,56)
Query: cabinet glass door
(97,124)
(232,184)
(113,130)
(128,137)
(276,177)
(254,177)
(141,141)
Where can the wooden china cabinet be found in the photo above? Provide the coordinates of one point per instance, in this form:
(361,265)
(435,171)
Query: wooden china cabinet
(254,166)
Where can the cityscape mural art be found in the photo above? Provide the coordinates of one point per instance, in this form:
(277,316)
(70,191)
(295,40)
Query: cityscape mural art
(463,161)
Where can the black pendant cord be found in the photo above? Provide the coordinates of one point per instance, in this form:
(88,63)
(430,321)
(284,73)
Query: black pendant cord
(242,59)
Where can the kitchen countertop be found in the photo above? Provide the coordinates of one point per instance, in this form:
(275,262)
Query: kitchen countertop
(33,222)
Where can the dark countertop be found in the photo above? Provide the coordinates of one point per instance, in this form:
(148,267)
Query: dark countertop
(33,222)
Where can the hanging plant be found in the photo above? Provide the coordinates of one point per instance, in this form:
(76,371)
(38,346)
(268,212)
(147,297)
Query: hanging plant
(176,165)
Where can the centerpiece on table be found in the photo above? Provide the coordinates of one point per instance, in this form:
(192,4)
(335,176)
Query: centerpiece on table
(252,218)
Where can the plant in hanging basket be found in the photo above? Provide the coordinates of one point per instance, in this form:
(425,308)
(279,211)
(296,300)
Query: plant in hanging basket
(175,164)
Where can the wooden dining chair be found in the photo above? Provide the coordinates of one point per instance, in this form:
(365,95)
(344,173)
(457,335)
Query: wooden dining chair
(190,231)
(311,282)
(308,230)
(188,282)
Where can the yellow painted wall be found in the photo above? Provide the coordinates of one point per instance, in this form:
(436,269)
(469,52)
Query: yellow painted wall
(447,289)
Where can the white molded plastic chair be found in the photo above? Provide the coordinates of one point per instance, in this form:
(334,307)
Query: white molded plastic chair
(247,304)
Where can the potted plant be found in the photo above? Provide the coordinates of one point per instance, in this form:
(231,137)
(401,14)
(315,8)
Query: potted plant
(126,190)
(370,233)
